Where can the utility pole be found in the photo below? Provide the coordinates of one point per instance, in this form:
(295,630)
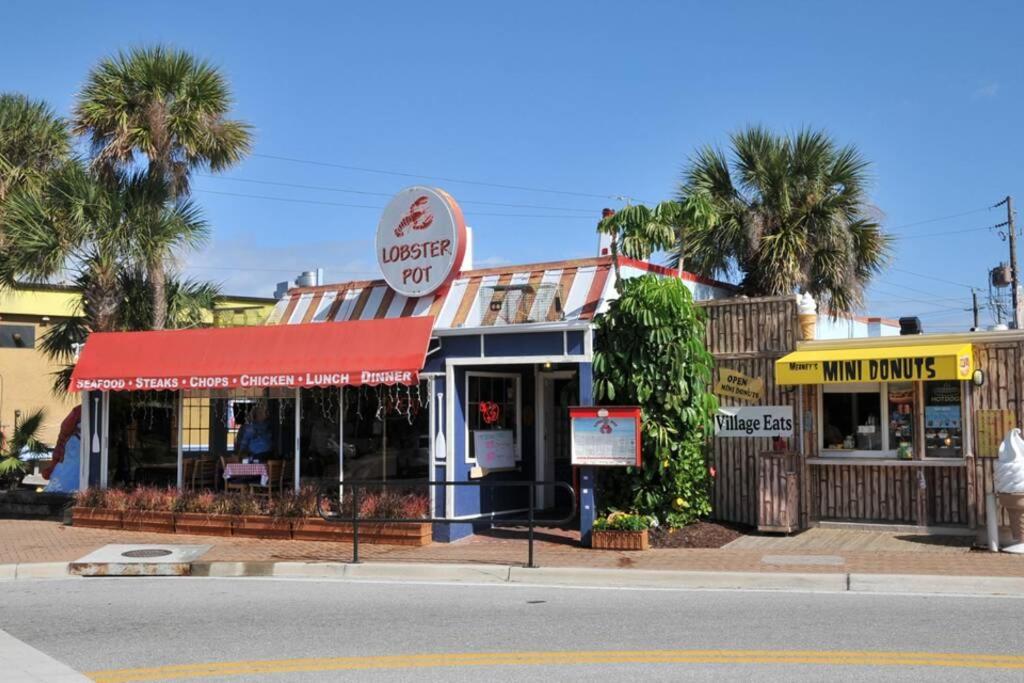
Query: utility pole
(974,298)
(1012,239)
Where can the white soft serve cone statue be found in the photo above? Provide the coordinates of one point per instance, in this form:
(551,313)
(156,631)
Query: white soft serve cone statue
(1009,480)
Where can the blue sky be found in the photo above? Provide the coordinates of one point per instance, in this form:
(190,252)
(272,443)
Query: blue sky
(600,99)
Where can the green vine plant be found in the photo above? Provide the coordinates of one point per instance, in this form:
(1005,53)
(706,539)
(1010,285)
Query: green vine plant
(650,352)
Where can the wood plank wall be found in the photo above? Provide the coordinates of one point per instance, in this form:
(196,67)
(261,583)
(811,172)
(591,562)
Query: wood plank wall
(1001,391)
(748,336)
(863,493)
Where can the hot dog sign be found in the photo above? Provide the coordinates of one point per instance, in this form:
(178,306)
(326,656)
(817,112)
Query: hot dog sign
(421,241)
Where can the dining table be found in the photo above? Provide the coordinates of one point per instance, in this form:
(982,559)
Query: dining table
(246,469)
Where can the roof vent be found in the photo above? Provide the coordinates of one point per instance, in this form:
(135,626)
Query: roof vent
(910,325)
(526,303)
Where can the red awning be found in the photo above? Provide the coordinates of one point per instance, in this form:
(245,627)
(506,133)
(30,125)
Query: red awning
(316,354)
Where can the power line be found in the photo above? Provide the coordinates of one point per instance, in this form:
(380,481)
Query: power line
(402,174)
(378,208)
(932,277)
(323,188)
(941,218)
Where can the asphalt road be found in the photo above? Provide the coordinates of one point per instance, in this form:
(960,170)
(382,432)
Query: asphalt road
(291,630)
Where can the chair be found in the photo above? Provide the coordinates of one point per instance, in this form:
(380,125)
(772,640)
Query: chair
(275,480)
(204,474)
(187,469)
(228,484)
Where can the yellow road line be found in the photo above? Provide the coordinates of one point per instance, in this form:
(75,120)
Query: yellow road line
(419,661)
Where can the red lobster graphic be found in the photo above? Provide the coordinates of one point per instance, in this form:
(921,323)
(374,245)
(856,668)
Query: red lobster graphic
(606,425)
(418,217)
(490,411)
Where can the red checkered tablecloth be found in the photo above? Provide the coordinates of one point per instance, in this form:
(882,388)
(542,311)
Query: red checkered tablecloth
(237,469)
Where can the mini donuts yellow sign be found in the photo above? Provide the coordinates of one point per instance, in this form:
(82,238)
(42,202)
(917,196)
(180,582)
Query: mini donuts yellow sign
(907,364)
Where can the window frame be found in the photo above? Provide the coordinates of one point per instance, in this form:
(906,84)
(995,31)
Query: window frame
(517,435)
(882,388)
(962,385)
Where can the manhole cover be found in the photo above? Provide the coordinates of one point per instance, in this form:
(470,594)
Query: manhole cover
(147,552)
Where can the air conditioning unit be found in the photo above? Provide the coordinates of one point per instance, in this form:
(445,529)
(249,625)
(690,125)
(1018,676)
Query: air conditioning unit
(515,304)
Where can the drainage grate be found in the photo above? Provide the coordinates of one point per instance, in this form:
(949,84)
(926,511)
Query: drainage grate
(147,552)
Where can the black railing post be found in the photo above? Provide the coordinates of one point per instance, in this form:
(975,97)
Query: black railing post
(529,562)
(355,524)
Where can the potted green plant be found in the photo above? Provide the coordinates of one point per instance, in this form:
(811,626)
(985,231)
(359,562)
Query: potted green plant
(621,531)
(204,514)
(150,509)
(93,508)
(99,508)
(252,518)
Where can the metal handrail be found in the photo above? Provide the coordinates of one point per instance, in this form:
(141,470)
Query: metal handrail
(531,521)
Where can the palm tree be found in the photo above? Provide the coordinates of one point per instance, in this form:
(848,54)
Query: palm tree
(34,141)
(638,231)
(791,213)
(169,107)
(24,437)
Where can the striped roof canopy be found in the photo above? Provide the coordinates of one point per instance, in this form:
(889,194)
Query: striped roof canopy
(536,293)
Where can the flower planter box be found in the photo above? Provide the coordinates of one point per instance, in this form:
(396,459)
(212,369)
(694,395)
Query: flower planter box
(406,533)
(148,520)
(202,524)
(97,518)
(607,539)
(260,526)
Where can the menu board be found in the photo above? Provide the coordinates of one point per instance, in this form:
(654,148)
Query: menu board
(495,449)
(606,436)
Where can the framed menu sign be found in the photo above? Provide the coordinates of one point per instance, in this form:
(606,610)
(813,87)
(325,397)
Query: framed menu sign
(606,436)
(495,448)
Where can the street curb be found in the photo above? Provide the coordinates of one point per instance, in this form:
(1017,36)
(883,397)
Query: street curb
(653,578)
(34,570)
(908,584)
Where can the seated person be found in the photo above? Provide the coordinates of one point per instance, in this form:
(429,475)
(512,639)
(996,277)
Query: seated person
(254,437)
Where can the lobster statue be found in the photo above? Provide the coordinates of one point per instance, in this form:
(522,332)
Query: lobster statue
(417,218)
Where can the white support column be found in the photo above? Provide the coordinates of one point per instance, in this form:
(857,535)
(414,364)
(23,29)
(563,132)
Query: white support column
(432,434)
(83,446)
(298,446)
(341,443)
(105,440)
(181,446)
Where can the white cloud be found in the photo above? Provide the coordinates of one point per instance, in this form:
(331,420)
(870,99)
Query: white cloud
(986,90)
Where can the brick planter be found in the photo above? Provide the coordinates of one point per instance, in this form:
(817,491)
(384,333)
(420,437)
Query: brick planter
(202,524)
(149,520)
(607,539)
(261,526)
(97,518)
(406,533)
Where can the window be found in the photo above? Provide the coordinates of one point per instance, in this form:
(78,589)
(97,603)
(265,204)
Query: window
(943,427)
(492,403)
(852,419)
(195,424)
(387,434)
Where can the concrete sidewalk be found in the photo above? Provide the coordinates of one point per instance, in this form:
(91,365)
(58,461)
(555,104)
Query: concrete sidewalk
(32,549)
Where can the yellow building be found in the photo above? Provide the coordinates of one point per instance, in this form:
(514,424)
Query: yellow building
(26,381)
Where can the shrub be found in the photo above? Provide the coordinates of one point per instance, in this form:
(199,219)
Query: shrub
(89,498)
(114,499)
(650,352)
(244,504)
(202,502)
(621,521)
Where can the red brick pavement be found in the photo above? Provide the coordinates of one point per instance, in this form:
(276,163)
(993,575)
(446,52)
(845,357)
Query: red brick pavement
(31,541)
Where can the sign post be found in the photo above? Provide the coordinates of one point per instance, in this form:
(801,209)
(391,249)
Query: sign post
(601,437)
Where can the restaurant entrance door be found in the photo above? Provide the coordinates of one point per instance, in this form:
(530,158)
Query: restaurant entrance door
(558,391)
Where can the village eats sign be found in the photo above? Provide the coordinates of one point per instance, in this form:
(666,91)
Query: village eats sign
(421,241)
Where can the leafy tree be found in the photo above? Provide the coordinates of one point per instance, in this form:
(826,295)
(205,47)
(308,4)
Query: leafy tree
(34,141)
(638,231)
(650,352)
(24,437)
(90,229)
(171,108)
(791,212)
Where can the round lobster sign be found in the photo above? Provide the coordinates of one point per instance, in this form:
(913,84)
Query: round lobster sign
(421,241)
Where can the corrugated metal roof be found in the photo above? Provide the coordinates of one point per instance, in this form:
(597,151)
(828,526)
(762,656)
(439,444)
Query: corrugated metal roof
(541,292)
